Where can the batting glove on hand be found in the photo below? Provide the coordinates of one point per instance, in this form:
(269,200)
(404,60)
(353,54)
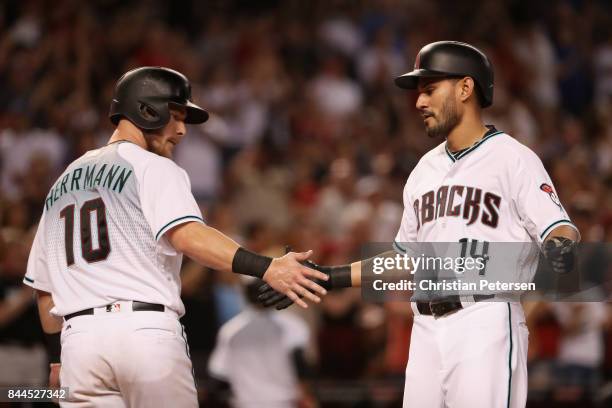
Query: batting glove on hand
(339,277)
(561,254)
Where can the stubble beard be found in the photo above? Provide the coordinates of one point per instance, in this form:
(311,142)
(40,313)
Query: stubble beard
(158,148)
(449,119)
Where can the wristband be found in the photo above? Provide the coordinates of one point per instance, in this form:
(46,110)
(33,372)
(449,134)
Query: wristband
(54,347)
(249,263)
(339,276)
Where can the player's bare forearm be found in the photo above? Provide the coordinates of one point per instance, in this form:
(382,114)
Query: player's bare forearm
(356,274)
(214,249)
(356,267)
(50,324)
(52,327)
(204,244)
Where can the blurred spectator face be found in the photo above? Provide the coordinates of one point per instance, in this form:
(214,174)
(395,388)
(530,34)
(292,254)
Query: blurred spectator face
(163,141)
(437,103)
(342,175)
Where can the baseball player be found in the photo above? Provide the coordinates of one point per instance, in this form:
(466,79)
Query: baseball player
(479,184)
(107,254)
(260,355)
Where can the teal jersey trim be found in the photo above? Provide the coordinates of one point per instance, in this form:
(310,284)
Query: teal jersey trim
(398,247)
(175,220)
(471,149)
(450,155)
(543,234)
(509,356)
(28,279)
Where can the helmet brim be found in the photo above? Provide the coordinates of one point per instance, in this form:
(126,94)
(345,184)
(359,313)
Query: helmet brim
(194,114)
(410,80)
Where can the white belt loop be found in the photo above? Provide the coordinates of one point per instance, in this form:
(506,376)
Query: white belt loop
(467,300)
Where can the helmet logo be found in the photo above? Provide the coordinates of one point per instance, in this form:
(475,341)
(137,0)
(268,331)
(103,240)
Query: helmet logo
(147,112)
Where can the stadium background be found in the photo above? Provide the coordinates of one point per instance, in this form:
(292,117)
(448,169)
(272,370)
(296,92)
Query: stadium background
(309,144)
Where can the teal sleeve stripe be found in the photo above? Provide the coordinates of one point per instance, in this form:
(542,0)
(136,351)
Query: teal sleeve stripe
(168,225)
(25,278)
(543,234)
(398,247)
(509,357)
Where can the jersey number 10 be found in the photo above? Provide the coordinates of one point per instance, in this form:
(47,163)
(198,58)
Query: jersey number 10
(88,252)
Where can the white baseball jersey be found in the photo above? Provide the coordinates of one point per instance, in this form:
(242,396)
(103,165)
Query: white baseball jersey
(495,191)
(101,236)
(253,354)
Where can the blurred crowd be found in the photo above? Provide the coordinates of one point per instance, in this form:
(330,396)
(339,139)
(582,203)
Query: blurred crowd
(309,144)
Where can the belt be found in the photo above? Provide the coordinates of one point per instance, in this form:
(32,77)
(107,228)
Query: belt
(136,307)
(443,307)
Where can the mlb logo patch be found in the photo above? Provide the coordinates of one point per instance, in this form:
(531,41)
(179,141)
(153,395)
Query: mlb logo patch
(115,307)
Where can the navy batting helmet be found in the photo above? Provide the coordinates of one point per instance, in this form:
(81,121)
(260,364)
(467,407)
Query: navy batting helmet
(452,58)
(144,97)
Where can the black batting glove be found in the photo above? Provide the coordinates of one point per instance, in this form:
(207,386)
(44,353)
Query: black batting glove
(561,254)
(339,277)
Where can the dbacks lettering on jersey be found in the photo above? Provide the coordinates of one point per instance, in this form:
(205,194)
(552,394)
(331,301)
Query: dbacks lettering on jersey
(473,205)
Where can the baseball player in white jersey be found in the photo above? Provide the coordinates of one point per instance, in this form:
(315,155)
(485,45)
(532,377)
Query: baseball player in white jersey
(479,184)
(274,374)
(107,254)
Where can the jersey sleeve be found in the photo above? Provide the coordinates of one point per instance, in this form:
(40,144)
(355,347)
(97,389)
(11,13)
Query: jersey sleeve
(409,226)
(166,197)
(37,272)
(536,199)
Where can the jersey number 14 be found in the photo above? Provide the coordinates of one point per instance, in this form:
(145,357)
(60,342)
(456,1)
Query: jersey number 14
(87,250)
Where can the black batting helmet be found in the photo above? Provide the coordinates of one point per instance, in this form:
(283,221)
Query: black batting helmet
(144,96)
(452,58)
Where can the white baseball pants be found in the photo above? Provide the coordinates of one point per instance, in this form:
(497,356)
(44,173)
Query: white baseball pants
(473,358)
(126,359)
